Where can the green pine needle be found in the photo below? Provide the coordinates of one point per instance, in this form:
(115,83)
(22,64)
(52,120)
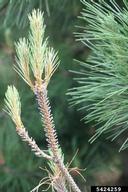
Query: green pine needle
(103,84)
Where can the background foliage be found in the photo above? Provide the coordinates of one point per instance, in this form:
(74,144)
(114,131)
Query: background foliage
(19,169)
(103,85)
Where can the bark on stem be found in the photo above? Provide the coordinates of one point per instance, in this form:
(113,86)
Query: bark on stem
(45,111)
(31,142)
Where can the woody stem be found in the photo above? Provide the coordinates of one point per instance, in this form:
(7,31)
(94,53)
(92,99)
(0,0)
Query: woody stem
(45,111)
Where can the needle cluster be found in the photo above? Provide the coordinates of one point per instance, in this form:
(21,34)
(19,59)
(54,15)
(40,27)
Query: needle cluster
(102,85)
(36,61)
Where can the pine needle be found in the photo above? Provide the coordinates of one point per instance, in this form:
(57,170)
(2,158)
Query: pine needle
(22,67)
(102,85)
(51,63)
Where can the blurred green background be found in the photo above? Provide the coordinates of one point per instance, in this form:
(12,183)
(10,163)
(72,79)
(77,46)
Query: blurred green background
(19,168)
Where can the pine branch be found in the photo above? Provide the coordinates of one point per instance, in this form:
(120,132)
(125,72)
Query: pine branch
(102,85)
(44,106)
(13,108)
(45,111)
(43,62)
(31,142)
